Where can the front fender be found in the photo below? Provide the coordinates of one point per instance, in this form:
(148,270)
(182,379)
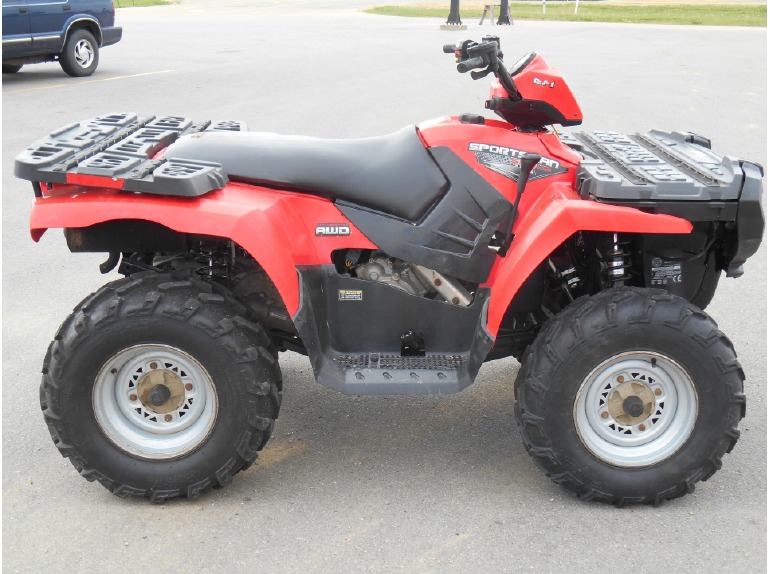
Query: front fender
(555,216)
(277,228)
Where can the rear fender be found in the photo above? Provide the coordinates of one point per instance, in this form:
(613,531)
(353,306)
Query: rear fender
(555,216)
(82,22)
(280,230)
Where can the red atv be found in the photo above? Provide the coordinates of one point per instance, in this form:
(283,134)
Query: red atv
(398,265)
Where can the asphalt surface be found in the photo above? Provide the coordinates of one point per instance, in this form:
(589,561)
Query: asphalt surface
(374,484)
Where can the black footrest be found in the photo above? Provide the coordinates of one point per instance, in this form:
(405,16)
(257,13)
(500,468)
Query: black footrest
(389,361)
(376,374)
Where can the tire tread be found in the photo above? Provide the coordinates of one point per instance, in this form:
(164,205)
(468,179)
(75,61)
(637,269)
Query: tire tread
(568,331)
(188,301)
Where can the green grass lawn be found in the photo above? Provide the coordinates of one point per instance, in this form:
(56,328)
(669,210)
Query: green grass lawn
(130,3)
(702,14)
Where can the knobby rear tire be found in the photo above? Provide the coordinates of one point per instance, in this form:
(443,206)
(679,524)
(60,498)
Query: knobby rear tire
(191,319)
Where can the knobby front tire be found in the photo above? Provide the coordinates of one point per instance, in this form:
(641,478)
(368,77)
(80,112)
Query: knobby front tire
(630,396)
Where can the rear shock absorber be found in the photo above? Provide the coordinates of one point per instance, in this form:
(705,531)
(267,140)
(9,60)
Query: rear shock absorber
(615,261)
(215,259)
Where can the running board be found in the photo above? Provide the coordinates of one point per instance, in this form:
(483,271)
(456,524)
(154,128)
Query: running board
(378,374)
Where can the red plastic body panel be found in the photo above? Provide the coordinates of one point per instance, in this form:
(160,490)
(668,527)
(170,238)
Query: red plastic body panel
(550,210)
(277,228)
(553,217)
(95,181)
(540,82)
(450,132)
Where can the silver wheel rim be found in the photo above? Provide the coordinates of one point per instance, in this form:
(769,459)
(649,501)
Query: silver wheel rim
(155,402)
(84,53)
(636,409)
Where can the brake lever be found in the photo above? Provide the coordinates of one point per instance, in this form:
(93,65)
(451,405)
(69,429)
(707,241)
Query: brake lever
(481,74)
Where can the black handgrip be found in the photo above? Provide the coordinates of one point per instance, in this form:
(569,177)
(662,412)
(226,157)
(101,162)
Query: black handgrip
(470,63)
(449,48)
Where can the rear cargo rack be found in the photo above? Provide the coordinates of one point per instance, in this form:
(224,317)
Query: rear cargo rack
(118,151)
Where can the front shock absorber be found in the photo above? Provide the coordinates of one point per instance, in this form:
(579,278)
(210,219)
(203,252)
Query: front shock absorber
(568,279)
(615,257)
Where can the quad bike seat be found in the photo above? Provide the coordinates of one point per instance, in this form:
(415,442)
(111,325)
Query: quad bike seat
(393,174)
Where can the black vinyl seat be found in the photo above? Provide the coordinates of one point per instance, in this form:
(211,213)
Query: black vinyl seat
(393,174)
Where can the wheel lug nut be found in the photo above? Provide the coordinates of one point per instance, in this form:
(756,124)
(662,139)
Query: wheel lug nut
(153,366)
(131,397)
(658,392)
(188,386)
(642,428)
(605,415)
(621,378)
(168,418)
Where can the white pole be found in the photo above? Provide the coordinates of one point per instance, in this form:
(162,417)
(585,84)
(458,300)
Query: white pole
(576,5)
(543,6)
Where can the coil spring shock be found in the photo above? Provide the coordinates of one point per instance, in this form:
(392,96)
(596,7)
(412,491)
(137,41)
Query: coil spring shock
(615,262)
(215,261)
(568,278)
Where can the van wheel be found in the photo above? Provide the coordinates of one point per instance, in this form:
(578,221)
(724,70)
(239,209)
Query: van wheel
(80,55)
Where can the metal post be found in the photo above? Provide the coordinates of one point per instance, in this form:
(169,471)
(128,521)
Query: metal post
(543,6)
(454,12)
(505,13)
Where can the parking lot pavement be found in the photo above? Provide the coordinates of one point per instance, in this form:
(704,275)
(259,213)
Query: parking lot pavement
(373,484)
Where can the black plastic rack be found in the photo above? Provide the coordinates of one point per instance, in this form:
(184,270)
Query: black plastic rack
(118,151)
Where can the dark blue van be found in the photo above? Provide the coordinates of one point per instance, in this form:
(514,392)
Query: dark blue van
(70,31)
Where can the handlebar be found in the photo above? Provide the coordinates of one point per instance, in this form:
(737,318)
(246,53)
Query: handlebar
(507,82)
(470,63)
(487,55)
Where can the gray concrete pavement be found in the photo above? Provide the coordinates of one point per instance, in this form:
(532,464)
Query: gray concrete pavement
(375,484)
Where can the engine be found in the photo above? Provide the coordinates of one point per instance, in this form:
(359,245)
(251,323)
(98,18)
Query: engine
(409,277)
(393,272)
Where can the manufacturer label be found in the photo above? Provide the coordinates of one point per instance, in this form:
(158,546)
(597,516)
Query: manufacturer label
(539,82)
(350,295)
(332,229)
(665,272)
(507,161)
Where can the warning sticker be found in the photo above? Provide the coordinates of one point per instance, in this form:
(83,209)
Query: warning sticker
(350,295)
(665,272)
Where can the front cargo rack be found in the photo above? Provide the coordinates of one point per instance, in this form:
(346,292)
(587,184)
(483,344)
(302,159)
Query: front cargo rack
(118,151)
(657,166)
